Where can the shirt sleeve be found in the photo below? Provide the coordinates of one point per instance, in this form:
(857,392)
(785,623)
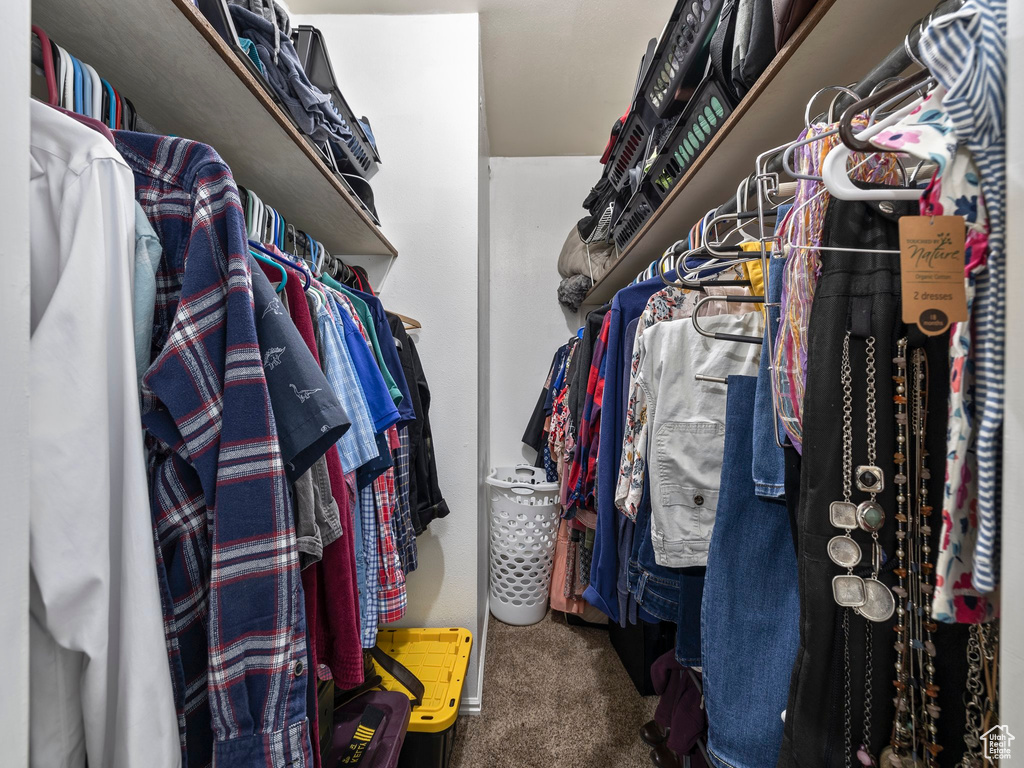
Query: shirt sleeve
(357,446)
(101,681)
(309,417)
(215,413)
(371,381)
(633,465)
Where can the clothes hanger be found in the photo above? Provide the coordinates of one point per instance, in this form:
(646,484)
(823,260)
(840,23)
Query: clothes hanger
(96,88)
(46,49)
(408,322)
(287,262)
(889,95)
(86,91)
(837,180)
(789,244)
(111,115)
(733,299)
(67,79)
(79,86)
(787,155)
(284,273)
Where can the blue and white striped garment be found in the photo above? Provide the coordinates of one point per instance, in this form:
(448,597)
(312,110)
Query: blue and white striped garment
(369,609)
(359,444)
(966,52)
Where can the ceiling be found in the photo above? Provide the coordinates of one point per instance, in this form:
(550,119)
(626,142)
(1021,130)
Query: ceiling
(557,73)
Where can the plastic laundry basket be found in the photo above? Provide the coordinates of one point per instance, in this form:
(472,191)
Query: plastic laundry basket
(524,527)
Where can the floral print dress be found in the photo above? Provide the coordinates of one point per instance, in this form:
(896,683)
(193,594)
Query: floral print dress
(927,133)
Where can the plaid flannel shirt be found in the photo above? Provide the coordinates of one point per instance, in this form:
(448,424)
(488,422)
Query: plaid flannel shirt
(391,597)
(226,551)
(583,470)
(391,593)
(368,604)
(405,535)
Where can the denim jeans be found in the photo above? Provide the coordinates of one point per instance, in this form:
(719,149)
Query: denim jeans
(768,463)
(666,594)
(751,612)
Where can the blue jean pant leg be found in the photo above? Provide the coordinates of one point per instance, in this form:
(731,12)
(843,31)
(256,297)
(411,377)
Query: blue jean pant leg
(688,623)
(654,587)
(666,594)
(751,608)
(768,463)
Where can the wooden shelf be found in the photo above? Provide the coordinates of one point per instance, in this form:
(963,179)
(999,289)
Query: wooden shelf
(838,42)
(185,80)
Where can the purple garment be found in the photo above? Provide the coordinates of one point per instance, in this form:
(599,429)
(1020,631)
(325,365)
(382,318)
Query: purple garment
(679,710)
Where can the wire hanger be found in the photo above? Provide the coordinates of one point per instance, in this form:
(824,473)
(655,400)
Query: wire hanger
(732,298)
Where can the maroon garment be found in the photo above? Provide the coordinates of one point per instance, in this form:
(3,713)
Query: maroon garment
(332,592)
(679,710)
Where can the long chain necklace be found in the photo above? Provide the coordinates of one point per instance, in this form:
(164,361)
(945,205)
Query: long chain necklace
(981,693)
(869,597)
(914,736)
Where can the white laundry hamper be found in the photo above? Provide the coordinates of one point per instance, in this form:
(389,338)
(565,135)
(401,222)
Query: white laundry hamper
(524,526)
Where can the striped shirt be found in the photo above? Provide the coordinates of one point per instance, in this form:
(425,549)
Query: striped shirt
(226,554)
(966,51)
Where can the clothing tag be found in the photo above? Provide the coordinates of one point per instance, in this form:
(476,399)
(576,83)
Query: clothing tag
(932,272)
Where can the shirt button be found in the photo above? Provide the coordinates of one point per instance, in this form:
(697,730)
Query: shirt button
(298,668)
(698,500)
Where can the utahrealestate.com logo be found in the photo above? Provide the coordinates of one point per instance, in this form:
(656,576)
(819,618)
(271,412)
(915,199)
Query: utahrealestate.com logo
(996,741)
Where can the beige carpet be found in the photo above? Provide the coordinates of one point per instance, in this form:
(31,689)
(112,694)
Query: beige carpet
(555,696)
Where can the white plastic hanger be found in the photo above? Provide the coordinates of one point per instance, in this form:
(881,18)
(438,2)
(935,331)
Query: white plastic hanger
(837,180)
(96,108)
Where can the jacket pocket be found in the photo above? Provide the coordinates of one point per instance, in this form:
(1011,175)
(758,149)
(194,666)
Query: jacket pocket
(689,469)
(694,507)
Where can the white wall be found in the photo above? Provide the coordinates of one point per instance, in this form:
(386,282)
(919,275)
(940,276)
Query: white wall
(416,77)
(1011,709)
(534,203)
(484,385)
(14,393)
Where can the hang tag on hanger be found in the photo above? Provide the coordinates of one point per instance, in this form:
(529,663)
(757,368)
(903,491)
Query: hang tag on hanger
(932,272)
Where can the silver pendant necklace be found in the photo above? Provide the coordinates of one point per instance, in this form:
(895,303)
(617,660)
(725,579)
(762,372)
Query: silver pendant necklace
(867,596)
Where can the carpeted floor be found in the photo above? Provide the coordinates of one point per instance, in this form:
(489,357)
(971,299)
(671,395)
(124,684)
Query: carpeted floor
(555,696)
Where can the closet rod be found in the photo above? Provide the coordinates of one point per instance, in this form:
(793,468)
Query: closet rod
(891,66)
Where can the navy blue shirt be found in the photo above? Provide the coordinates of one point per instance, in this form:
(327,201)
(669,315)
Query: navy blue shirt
(309,417)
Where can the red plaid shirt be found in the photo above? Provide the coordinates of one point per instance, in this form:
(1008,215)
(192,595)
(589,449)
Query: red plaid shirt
(391,597)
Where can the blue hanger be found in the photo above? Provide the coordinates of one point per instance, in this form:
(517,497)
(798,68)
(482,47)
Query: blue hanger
(112,106)
(284,272)
(78,84)
(579,333)
(280,259)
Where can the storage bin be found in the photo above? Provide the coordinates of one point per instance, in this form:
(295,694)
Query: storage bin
(682,53)
(439,658)
(361,152)
(638,210)
(383,747)
(704,115)
(524,527)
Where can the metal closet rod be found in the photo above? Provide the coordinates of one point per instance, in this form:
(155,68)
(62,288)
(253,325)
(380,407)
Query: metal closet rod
(892,65)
